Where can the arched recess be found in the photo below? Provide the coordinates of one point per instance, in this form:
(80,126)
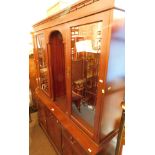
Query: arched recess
(57,59)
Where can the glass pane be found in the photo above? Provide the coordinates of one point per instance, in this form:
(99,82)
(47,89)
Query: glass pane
(85,47)
(115,84)
(42,62)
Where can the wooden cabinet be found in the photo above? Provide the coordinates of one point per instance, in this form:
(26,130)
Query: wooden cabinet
(80,56)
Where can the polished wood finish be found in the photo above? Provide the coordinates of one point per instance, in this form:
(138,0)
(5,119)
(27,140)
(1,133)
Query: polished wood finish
(68,125)
(70,135)
(75,12)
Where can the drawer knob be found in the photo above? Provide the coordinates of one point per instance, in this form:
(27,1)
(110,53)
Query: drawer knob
(103,91)
(89,150)
(101,81)
(109,88)
(52,109)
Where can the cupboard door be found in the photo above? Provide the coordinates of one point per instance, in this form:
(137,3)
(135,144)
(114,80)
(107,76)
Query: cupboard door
(50,126)
(54,130)
(66,146)
(41,115)
(57,135)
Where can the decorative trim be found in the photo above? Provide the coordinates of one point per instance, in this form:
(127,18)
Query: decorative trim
(67,11)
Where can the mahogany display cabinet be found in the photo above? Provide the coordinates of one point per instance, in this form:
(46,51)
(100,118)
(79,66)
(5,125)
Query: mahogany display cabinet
(80,58)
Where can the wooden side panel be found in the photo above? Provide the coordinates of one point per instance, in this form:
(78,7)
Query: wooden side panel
(111,109)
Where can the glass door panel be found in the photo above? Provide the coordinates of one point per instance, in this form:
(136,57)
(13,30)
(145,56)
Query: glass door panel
(42,62)
(85,50)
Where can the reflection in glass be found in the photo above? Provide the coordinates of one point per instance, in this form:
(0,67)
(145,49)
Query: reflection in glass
(42,62)
(85,48)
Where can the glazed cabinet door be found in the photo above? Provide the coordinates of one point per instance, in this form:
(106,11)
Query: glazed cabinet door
(88,45)
(41,115)
(42,63)
(86,51)
(54,129)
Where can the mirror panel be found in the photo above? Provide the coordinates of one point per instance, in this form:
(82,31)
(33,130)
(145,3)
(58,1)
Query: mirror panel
(85,50)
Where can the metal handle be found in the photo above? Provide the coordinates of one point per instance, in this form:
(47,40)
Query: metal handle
(89,150)
(52,109)
(123,105)
(72,140)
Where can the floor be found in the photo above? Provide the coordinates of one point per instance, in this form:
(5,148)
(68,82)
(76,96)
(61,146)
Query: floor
(38,141)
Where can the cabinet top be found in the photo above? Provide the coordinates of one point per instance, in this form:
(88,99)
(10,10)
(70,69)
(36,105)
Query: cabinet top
(80,9)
